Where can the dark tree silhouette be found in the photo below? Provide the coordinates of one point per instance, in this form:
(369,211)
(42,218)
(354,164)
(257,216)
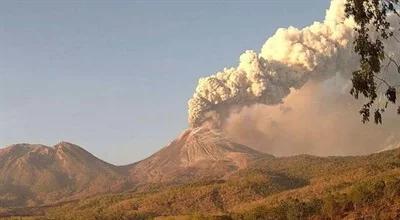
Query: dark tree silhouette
(372,15)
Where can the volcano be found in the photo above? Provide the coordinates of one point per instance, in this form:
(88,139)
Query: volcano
(196,153)
(34,174)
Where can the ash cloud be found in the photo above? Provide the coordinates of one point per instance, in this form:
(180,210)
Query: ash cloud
(293,96)
(287,60)
(319,119)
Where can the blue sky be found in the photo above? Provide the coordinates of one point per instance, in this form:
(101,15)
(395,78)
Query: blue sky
(114,76)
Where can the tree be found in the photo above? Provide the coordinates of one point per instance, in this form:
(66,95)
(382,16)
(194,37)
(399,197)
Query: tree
(372,15)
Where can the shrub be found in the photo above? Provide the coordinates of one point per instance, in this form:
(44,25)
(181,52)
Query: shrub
(367,192)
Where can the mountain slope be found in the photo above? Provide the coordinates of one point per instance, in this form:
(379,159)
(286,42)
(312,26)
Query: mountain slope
(197,154)
(298,187)
(211,176)
(37,174)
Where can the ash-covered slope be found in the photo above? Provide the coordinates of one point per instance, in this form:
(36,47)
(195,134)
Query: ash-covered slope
(197,153)
(38,174)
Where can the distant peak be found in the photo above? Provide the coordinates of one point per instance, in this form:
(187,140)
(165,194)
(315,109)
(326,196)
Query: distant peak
(69,147)
(65,144)
(25,146)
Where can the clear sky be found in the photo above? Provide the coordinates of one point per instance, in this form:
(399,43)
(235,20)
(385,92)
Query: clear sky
(114,76)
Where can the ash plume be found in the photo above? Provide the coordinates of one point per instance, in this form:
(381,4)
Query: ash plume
(321,119)
(288,59)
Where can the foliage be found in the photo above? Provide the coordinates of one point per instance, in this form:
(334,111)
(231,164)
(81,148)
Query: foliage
(372,15)
(372,197)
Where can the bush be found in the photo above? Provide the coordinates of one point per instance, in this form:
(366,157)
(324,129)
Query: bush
(367,192)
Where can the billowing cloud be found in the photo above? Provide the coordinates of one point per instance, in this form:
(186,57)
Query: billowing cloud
(287,60)
(293,96)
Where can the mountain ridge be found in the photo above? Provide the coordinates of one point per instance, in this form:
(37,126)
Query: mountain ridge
(201,171)
(295,187)
(36,174)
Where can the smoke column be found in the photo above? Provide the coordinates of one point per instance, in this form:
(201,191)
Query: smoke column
(289,59)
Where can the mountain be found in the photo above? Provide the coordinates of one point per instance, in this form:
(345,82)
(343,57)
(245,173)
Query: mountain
(199,175)
(296,187)
(198,153)
(32,174)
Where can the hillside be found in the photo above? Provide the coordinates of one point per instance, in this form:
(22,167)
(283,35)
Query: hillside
(196,154)
(37,174)
(32,175)
(298,187)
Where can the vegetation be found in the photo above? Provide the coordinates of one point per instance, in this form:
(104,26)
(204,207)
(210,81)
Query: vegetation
(299,187)
(376,199)
(373,15)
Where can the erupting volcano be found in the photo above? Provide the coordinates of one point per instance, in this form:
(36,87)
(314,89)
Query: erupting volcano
(196,153)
